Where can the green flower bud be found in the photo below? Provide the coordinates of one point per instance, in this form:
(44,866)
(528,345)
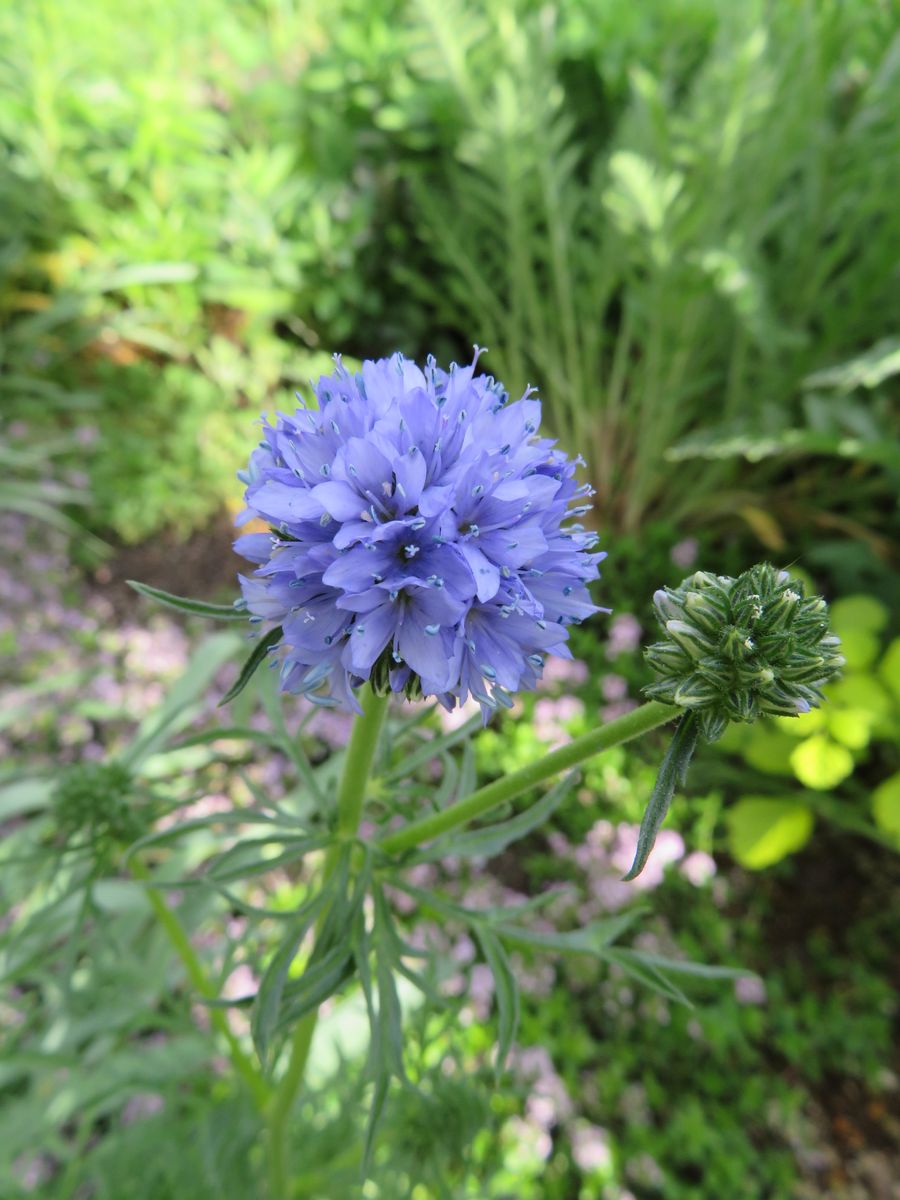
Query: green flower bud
(667,658)
(689,638)
(95,802)
(738,649)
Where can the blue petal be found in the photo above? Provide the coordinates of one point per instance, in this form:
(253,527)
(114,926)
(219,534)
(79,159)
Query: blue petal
(425,653)
(369,636)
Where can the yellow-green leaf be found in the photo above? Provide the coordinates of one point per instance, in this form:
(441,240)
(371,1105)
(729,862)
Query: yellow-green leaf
(821,763)
(852,727)
(803,725)
(859,647)
(735,737)
(763,830)
(769,750)
(858,612)
(886,805)
(889,668)
(858,690)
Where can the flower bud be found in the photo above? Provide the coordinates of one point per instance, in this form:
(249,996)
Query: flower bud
(738,649)
(96,802)
(689,638)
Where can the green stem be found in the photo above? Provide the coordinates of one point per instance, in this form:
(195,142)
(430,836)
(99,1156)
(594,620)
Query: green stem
(181,943)
(622,729)
(350,799)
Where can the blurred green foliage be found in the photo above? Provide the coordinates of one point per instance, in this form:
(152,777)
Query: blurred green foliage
(859,727)
(168,252)
(678,218)
(668,216)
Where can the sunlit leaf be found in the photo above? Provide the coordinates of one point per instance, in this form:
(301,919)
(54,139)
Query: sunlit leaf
(859,647)
(800,726)
(886,805)
(821,763)
(852,727)
(889,667)
(858,612)
(769,750)
(763,830)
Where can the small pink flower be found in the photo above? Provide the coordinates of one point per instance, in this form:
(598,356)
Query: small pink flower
(750,989)
(684,554)
(698,868)
(590,1147)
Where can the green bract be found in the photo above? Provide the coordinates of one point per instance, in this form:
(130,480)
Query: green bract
(738,649)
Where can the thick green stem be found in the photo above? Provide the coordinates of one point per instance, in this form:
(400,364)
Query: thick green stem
(181,943)
(622,729)
(350,799)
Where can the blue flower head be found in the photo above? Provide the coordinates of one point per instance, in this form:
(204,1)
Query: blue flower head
(423,537)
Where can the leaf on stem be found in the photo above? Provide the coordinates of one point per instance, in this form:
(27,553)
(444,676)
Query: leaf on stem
(385,1018)
(323,976)
(194,608)
(259,653)
(494,839)
(428,750)
(590,939)
(267,1010)
(244,859)
(506,990)
(672,774)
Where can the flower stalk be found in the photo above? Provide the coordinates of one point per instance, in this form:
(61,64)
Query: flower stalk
(181,944)
(478,804)
(351,796)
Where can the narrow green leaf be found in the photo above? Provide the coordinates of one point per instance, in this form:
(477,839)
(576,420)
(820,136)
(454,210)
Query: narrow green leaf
(513,912)
(685,966)
(672,774)
(231,733)
(242,861)
(176,709)
(493,839)
(290,743)
(428,750)
(507,992)
(267,1009)
(258,655)
(376,1113)
(436,903)
(390,1017)
(378,1065)
(449,786)
(194,608)
(321,979)
(26,795)
(468,772)
(162,837)
(591,939)
(647,974)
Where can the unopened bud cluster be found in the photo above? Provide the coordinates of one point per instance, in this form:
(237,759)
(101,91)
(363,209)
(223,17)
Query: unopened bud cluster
(95,801)
(738,649)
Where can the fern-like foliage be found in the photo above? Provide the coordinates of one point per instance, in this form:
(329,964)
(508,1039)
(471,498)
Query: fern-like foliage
(698,265)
